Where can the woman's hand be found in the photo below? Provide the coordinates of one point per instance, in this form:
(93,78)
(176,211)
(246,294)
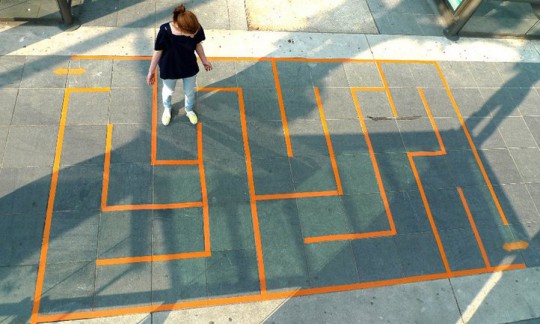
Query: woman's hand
(151,78)
(207,65)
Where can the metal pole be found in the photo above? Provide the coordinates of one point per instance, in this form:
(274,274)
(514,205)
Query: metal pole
(463,17)
(65,11)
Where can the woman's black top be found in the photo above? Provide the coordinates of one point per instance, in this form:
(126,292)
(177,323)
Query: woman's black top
(178,58)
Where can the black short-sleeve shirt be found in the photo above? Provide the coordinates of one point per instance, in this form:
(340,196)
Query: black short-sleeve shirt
(178,58)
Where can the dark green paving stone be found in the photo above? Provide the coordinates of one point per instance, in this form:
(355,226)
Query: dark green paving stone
(272,175)
(529,233)
(132,143)
(174,184)
(97,74)
(88,108)
(129,74)
(92,152)
(254,75)
(222,76)
(17,284)
(308,139)
(232,273)
(131,106)
(533,123)
(494,239)
(528,99)
(419,254)
(517,203)
(68,287)
(177,231)
(30,146)
(532,71)
(439,102)
(7,105)
(499,102)
(362,74)
(279,224)
(446,208)
(131,184)
(395,171)
(312,174)
(285,267)
(222,140)
(515,132)
(418,135)
(406,218)
(323,216)
(435,172)
(79,188)
(426,75)
(484,133)
(74,236)
(452,134)
(465,168)
(328,75)
(11,70)
(261,104)
(226,180)
(461,249)
(123,285)
(300,103)
(470,102)
(20,240)
(294,74)
(231,226)
(346,136)
(458,74)
(337,103)
(482,206)
(373,104)
(94,15)
(266,139)
(377,259)
(385,136)
(39,72)
(526,160)
(500,167)
(24,190)
(408,102)
(398,74)
(125,234)
(356,174)
(219,106)
(331,264)
(366,213)
(178,280)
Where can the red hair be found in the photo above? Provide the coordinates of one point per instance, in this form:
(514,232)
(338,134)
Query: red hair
(186,20)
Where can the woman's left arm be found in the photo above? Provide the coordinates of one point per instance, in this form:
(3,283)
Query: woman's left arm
(200,52)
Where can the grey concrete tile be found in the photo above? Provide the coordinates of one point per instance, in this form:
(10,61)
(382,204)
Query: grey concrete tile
(165,180)
(272,176)
(216,106)
(123,285)
(458,74)
(470,102)
(176,231)
(131,106)
(222,76)
(465,168)
(231,226)
(38,107)
(212,16)
(255,75)
(93,14)
(435,172)
(533,124)
(485,133)
(337,103)
(362,74)
(21,238)
(88,108)
(40,72)
(526,160)
(529,233)
(515,74)
(494,239)
(418,254)
(398,75)
(79,188)
(499,102)
(232,272)
(312,174)
(178,280)
(347,137)
(426,75)
(222,140)
(486,74)
(517,204)
(11,69)
(134,14)
(294,74)
(132,143)
(300,103)
(131,184)
(323,216)
(83,145)
(3,139)
(429,23)
(97,72)
(30,146)
(418,135)
(331,264)
(125,234)
(226,180)
(452,134)
(68,287)
(266,139)
(407,102)
(178,142)
(515,132)
(17,284)
(528,100)
(534,190)
(328,75)
(376,259)
(482,206)
(131,73)
(461,249)
(24,190)
(356,174)
(74,236)
(495,288)
(7,105)
(385,136)
(397,23)
(500,166)
(373,104)
(261,104)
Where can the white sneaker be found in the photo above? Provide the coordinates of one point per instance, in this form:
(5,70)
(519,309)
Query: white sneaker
(166,118)
(192,117)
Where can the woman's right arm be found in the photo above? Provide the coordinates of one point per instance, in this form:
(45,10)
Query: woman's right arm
(151,77)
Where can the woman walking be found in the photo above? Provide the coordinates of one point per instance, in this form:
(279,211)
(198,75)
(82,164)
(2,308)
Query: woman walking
(174,52)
